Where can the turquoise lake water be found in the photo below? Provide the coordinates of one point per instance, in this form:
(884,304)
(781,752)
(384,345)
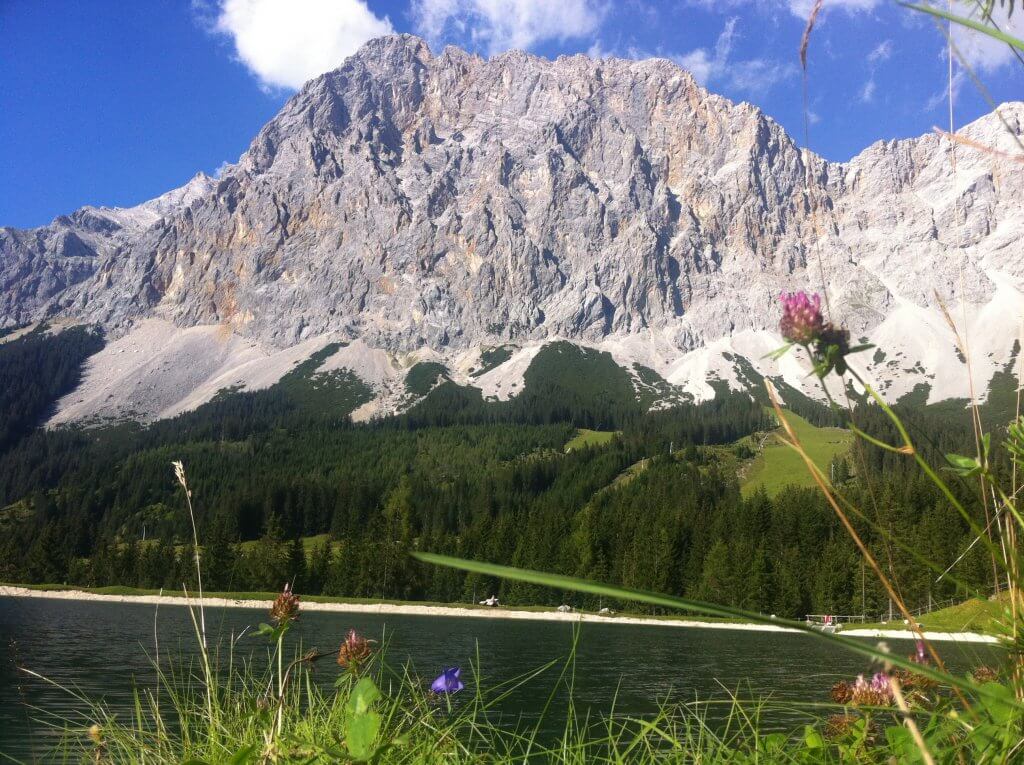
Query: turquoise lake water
(101,649)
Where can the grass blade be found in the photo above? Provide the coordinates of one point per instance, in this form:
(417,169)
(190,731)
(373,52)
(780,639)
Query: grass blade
(558,581)
(977,26)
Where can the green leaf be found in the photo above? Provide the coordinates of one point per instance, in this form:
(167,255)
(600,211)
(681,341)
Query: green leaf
(778,353)
(963,466)
(243,755)
(774,743)
(813,738)
(361,735)
(363,696)
(999,702)
(264,630)
(902,744)
(342,680)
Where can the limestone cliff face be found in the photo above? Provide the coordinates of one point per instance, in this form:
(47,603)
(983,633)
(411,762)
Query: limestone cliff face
(446,201)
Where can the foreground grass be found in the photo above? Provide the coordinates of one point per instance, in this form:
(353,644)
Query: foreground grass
(379,713)
(778,466)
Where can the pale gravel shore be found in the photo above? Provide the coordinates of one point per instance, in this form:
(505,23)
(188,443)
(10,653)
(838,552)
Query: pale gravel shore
(490,613)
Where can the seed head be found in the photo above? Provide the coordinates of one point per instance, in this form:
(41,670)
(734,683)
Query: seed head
(179,473)
(286,608)
(841,692)
(876,692)
(985,675)
(354,651)
(837,726)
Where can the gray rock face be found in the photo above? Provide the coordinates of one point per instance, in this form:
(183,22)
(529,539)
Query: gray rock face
(412,199)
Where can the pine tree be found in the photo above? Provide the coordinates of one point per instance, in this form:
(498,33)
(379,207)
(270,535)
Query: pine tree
(295,566)
(319,569)
(219,558)
(717,583)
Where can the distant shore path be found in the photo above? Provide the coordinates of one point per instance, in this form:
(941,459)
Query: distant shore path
(410,609)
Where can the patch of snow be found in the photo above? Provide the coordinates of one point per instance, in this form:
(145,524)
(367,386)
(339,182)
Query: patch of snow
(159,370)
(506,380)
(371,365)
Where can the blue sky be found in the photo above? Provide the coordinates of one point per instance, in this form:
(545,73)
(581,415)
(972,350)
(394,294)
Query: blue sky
(114,103)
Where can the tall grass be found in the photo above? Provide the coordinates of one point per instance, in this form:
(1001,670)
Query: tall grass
(378,713)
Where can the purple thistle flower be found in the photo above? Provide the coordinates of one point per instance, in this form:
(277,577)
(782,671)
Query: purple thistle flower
(802,322)
(448,681)
(876,693)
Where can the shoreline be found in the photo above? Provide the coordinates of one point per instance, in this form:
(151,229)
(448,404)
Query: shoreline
(498,612)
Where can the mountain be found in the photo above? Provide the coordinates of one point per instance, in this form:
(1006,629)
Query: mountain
(409,207)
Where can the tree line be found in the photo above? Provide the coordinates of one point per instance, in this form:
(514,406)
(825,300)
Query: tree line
(660,507)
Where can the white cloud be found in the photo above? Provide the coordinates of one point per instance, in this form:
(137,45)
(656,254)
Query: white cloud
(802,8)
(697,63)
(704,65)
(942,97)
(498,25)
(287,42)
(882,52)
(758,75)
(980,51)
(983,53)
(751,76)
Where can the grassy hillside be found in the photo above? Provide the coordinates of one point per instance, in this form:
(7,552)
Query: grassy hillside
(777,465)
(309,544)
(584,438)
(975,615)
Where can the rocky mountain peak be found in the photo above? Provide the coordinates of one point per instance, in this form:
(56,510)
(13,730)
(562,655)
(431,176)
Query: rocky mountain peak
(446,202)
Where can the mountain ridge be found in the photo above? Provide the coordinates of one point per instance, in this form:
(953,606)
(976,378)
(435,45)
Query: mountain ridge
(430,206)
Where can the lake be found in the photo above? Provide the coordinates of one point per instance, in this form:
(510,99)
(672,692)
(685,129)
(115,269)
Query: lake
(100,649)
